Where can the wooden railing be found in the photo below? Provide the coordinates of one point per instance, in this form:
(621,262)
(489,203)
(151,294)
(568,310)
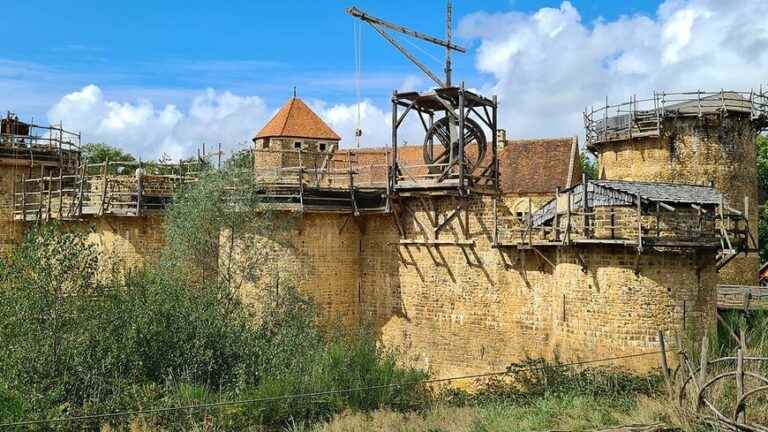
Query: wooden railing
(638,223)
(117,188)
(41,144)
(339,169)
(643,117)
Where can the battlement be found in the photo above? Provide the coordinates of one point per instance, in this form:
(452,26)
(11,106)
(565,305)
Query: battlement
(645,117)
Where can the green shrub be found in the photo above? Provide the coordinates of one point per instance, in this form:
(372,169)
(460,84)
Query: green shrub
(76,343)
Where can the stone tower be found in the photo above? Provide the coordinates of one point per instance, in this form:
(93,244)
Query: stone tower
(26,151)
(294,129)
(695,138)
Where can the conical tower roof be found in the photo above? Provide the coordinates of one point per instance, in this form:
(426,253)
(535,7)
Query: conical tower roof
(296,120)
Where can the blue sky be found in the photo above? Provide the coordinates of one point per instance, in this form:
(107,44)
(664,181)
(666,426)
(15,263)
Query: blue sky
(163,49)
(162,77)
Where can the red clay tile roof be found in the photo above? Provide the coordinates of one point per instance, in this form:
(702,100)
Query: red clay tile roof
(296,120)
(539,165)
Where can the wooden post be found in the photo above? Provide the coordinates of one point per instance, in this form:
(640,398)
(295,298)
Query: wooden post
(105,169)
(389,164)
(639,223)
(703,360)
(461,138)
(351,184)
(740,382)
(746,220)
(80,192)
(530,223)
(665,363)
(584,205)
(23,197)
(567,239)
(395,169)
(40,187)
(50,189)
(495,144)
(301,179)
(139,189)
(61,191)
(556,221)
(658,220)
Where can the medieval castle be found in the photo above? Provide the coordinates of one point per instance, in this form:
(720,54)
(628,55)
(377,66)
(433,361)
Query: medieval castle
(471,250)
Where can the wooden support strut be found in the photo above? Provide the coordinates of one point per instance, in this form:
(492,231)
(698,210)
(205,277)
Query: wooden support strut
(80,192)
(140,189)
(556,221)
(23,197)
(61,192)
(639,223)
(456,212)
(104,187)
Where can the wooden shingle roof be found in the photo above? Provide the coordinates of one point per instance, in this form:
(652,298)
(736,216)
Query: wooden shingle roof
(296,120)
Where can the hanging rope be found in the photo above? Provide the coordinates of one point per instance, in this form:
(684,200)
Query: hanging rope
(358,44)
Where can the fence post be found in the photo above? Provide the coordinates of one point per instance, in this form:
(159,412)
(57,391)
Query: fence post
(665,362)
(740,417)
(61,191)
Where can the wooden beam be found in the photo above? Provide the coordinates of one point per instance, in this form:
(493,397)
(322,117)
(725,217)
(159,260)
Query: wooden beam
(437,242)
(453,214)
(543,257)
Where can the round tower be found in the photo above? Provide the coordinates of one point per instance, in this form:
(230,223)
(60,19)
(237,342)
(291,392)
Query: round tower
(694,138)
(28,150)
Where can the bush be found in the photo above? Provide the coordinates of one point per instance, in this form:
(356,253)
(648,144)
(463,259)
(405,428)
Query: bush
(76,343)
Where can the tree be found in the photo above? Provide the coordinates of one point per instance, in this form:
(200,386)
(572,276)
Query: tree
(588,165)
(99,152)
(762,184)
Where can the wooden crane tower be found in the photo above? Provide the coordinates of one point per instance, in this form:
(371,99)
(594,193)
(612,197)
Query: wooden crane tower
(455,150)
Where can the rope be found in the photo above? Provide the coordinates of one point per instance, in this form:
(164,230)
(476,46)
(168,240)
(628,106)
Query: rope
(309,395)
(357,36)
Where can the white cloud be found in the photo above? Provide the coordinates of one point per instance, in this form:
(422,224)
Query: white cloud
(374,122)
(548,65)
(149,131)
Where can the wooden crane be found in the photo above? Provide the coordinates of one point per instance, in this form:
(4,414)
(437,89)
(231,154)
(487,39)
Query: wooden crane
(380,25)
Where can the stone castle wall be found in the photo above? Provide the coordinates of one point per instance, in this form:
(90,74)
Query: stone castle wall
(477,308)
(696,151)
(10,232)
(127,242)
(319,254)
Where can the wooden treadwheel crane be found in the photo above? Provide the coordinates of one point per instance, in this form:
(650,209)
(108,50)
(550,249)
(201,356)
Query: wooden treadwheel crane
(455,144)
